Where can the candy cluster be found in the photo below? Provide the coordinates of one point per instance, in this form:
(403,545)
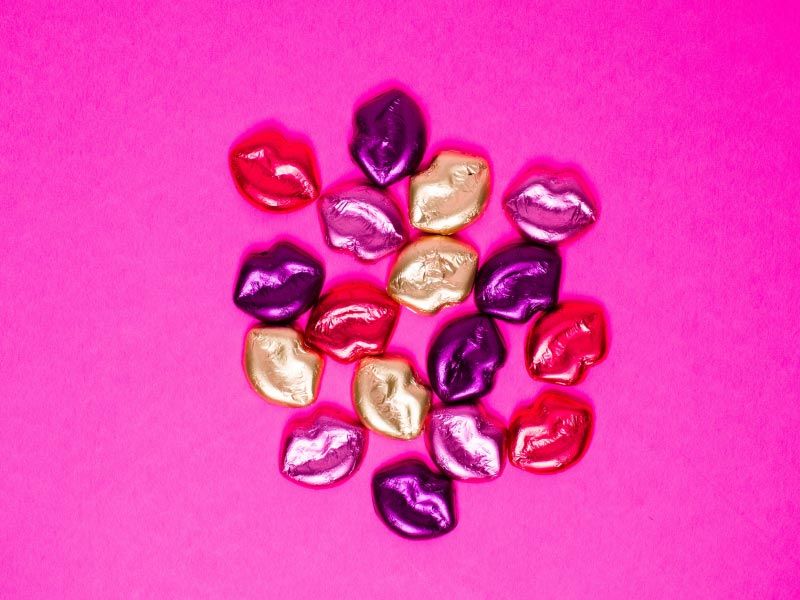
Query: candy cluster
(353,322)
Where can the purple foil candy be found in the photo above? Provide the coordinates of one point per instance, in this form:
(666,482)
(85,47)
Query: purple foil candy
(466,442)
(389,138)
(322,449)
(362,220)
(464,357)
(518,281)
(280,284)
(414,501)
(551,206)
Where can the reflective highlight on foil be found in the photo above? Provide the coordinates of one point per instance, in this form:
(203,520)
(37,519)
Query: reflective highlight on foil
(450,193)
(413,501)
(551,434)
(433,272)
(466,442)
(322,448)
(351,321)
(565,342)
(389,397)
(362,220)
(551,206)
(280,367)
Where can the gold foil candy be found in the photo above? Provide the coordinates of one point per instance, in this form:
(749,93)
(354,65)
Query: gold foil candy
(280,367)
(389,397)
(450,193)
(433,272)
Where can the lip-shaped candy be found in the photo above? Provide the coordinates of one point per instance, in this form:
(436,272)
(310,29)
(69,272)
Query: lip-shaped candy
(322,448)
(351,321)
(389,397)
(389,137)
(280,284)
(273,171)
(362,220)
(551,434)
(413,501)
(518,281)
(433,272)
(450,193)
(464,357)
(280,367)
(551,206)
(466,442)
(563,343)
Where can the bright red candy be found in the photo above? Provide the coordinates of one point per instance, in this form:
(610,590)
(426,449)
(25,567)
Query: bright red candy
(565,341)
(551,434)
(273,171)
(352,321)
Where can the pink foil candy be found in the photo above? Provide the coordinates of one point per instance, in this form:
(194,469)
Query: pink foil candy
(552,205)
(362,220)
(322,448)
(466,442)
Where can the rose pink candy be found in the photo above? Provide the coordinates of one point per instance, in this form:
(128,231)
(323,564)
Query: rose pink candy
(322,448)
(362,220)
(466,442)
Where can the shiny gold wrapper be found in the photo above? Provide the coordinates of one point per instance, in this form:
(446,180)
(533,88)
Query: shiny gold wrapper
(280,367)
(389,397)
(450,194)
(433,272)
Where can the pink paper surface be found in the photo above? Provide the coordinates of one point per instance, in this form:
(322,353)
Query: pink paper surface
(136,462)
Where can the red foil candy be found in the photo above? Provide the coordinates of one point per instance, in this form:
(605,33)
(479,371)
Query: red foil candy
(565,341)
(274,172)
(352,321)
(551,434)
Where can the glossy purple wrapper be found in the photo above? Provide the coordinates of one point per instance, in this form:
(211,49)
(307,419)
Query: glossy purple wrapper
(464,357)
(414,501)
(280,284)
(518,281)
(389,137)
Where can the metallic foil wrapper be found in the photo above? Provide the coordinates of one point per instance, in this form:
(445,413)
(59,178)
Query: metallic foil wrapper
(464,357)
(566,341)
(389,137)
(274,171)
(351,321)
(280,284)
(433,272)
(450,193)
(362,220)
(413,501)
(280,367)
(322,448)
(518,281)
(389,397)
(466,442)
(551,206)
(551,434)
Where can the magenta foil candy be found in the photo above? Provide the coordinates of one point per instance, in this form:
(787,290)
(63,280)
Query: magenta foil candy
(464,357)
(362,220)
(414,501)
(389,137)
(322,449)
(552,205)
(280,284)
(517,282)
(466,442)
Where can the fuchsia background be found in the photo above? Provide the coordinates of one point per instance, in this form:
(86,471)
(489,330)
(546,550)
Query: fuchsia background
(135,461)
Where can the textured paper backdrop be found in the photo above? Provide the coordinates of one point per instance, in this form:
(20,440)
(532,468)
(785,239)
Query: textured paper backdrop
(135,461)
